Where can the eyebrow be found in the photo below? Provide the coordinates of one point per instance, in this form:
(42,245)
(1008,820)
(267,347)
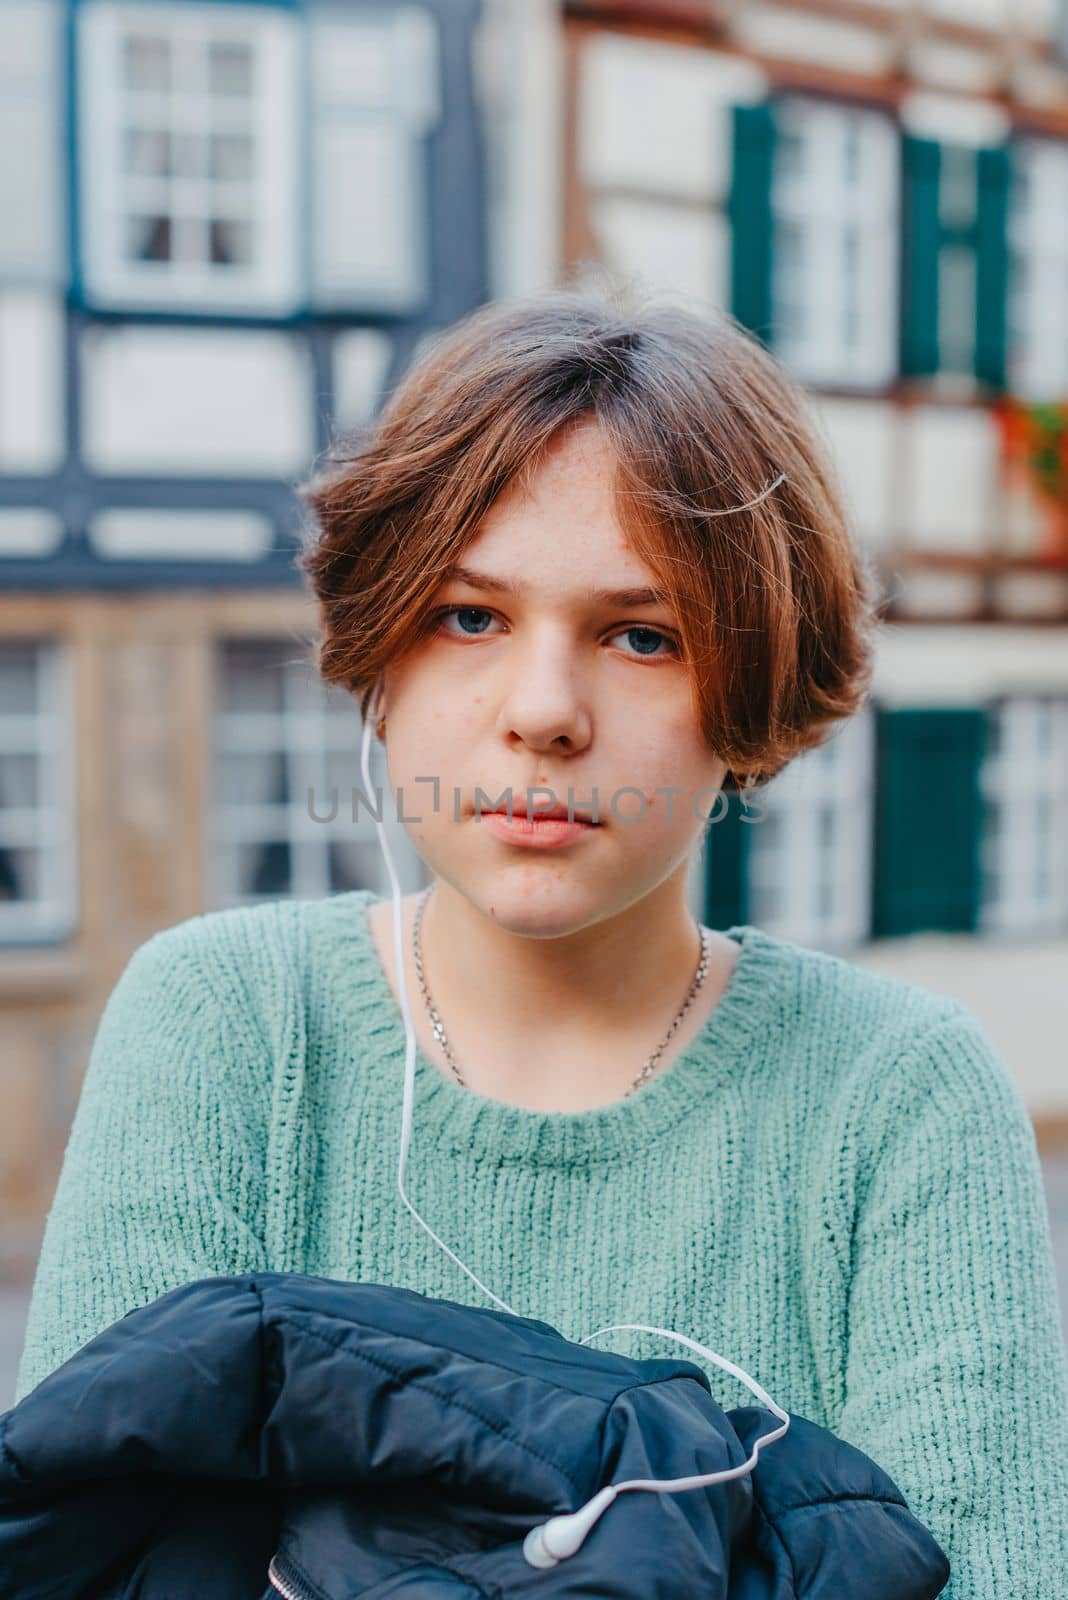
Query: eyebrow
(608,597)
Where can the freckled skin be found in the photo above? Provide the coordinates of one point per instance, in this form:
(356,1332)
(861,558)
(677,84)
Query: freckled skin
(555,692)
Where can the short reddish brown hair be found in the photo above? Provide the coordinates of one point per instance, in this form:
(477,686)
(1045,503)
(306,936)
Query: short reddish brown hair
(776,609)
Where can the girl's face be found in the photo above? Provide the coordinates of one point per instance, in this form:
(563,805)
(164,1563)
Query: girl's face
(547,685)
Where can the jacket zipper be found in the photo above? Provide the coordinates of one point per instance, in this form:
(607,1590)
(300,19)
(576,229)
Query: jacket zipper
(284,1586)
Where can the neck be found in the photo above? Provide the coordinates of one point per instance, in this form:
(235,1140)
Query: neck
(519,1011)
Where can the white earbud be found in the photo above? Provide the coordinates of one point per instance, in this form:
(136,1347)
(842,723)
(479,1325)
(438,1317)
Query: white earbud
(553,1541)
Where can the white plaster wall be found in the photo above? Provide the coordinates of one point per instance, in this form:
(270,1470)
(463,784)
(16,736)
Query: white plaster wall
(655,116)
(361,362)
(954,117)
(979,13)
(31,141)
(519,79)
(802,35)
(196,400)
(31,380)
(681,254)
(862,439)
(950,487)
(960,665)
(26,531)
(1017,989)
(133,533)
(969,68)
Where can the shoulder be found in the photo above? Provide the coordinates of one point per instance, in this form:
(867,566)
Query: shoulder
(253,930)
(242,967)
(258,962)
(879,1040)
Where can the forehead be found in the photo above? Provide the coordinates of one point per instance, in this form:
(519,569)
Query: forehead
(564,514)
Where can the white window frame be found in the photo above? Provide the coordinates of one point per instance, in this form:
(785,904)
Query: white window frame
(1024,849)
(315,728)
(1038,268)
(49,826)
(107,108)
(813,204)
(376,96)
(803,886)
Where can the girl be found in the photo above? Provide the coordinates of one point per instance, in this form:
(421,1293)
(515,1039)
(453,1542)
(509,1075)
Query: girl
(592,559)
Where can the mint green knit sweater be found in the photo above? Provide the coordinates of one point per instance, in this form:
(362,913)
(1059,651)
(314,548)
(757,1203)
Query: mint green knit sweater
(835,1185)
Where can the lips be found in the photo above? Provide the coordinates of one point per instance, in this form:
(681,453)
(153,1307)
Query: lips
(552,814)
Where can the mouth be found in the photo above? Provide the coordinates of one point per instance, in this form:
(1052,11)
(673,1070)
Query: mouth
(552,814)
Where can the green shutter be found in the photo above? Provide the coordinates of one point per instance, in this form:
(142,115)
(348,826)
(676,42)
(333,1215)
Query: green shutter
(727,865)
(749,211)
(992,251)
(928,819)
(921,161)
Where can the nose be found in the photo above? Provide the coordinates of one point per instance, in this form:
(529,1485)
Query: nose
(544,705)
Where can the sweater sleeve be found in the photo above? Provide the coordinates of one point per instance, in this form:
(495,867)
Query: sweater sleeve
(956,1379)
(160,1182)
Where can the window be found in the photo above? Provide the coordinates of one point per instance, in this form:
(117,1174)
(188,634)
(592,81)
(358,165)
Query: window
(652,160)
(1038,269)
(957,206)
(31,143)
(286,764)
(810,857)
(834,241)
(188,138)
(37,823)
(954,259)
(375,98)
(1024,781)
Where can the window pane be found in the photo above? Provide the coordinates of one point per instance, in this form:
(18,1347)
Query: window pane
(231,242)
(253,778)
(1043,851)
(147,153)
(851,278)
(19,676)
(149,238)
(229,68)
(146,62)
(19,780)
(789,152)
(20,874)
(957,186)
(353,864)
(230,156)
(252,674)
(956,307)
(264,869)
(1020,184)
(851,163)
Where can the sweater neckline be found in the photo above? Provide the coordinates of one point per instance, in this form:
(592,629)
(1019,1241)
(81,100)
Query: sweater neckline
(449,1116)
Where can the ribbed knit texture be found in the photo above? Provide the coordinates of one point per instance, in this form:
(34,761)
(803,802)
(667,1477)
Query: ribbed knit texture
(835,1185)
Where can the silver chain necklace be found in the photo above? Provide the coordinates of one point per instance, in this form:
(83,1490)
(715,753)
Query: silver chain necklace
(439,1028)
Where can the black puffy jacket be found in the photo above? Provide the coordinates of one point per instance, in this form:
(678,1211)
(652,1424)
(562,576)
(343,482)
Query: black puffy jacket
(276,1433)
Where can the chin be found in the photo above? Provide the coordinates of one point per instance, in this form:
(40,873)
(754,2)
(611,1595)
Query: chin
(547,910)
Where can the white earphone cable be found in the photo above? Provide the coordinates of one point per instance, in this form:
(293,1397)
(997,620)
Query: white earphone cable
(561,1536)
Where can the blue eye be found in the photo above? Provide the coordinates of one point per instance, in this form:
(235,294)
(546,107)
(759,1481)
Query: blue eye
(650,637)
(467,612)
(646,634)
